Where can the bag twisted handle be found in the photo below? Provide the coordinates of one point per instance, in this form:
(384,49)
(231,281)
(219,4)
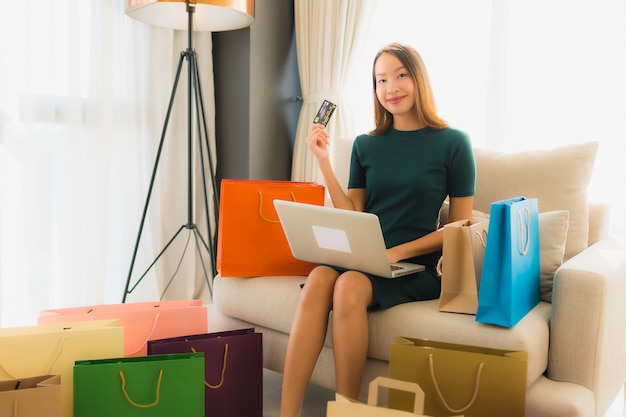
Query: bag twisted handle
(431,364)
(293,198)
(524,226)
(154,326)
(158,392)
(54,359)
(482,236)
(218,385)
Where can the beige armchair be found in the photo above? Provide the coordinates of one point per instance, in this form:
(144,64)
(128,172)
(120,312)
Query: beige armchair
(575,337)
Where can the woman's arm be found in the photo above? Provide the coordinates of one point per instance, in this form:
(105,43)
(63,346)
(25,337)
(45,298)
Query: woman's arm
(460,209)
(318,141)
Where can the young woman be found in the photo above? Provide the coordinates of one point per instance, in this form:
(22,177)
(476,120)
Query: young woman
(402,171)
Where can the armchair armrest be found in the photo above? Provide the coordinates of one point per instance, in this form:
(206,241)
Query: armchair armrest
(587,335)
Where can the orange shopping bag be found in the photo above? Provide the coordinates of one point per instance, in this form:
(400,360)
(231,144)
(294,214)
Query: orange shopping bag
(141,321)
(251,241)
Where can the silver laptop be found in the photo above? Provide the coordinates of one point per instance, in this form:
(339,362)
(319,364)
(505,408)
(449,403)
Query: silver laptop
(343,238)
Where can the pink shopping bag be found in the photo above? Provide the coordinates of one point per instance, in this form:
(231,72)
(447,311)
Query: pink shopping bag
(141,321)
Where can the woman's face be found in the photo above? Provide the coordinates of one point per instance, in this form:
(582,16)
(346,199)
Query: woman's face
(394,86)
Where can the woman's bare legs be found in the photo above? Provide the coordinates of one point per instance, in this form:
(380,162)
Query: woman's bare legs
(352,296)
(306,340)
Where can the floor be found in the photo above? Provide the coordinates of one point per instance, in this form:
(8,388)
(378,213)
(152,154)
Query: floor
(317,397)
(314,401)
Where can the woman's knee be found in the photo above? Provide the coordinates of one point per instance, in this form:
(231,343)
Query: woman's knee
(319,285)
(352,290)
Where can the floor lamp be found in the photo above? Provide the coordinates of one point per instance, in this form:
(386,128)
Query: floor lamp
(198,15)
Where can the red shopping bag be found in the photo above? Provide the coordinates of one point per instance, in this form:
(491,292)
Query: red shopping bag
(251,241)
(141,321)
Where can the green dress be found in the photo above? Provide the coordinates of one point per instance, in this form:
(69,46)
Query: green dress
(407,175)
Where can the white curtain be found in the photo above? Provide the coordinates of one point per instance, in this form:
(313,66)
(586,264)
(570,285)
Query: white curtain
(83,95)
(328,34)
(515,74)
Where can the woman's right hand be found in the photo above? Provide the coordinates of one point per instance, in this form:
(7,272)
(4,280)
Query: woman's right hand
(318,141)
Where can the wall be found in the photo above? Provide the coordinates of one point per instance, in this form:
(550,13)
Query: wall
(256,82)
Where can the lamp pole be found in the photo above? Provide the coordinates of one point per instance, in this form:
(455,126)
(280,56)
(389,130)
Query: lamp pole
(195,101)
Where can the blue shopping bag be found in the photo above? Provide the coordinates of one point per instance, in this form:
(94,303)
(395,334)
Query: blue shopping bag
(509,286)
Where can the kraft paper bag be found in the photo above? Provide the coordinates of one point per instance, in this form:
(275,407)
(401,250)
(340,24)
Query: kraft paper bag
(344,407)
(52,349)
(31,397)
(510,279)
(233,375)
(461,265)
(460,379)
(154,386)
(251,241)
(141,321)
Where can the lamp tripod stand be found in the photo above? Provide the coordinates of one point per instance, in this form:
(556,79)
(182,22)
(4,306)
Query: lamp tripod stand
(195,101)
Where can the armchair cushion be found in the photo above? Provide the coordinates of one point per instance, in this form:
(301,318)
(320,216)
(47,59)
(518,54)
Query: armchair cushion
(557,177)
(553,227)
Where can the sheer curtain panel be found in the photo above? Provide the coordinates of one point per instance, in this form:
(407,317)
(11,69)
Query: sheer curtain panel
(327,37)
(83,94)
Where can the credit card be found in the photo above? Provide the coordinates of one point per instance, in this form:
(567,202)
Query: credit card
(324,113)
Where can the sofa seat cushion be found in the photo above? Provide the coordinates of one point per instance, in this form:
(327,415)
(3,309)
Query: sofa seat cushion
(271,302)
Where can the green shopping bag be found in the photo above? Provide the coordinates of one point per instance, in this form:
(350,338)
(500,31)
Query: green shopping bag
(155,386)
(459,379)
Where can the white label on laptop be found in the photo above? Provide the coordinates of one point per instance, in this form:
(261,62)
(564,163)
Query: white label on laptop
(333,239)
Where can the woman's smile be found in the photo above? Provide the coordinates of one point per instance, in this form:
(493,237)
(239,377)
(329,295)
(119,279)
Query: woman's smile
(396,99)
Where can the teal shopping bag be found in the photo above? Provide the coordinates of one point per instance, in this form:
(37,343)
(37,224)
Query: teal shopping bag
(155,386)
(509,285)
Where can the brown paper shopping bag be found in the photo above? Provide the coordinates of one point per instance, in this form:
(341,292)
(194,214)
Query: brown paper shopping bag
(251,241)
(52,349)
(343,407)
(461,264)
(141,321)
(31,397)
(460,379)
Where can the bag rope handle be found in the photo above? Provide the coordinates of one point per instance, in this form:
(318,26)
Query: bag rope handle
(219,385)
(154,325)
(482,237)
(54,359)
(439,266)
(523,246)
(440,395)
(293,197)
(158,392)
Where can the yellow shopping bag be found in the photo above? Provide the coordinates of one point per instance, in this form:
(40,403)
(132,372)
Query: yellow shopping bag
(52,350)
(460,379)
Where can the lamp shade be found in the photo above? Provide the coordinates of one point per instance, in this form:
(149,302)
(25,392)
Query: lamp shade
(209,15)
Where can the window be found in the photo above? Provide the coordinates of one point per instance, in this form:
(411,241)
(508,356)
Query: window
(517,75)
